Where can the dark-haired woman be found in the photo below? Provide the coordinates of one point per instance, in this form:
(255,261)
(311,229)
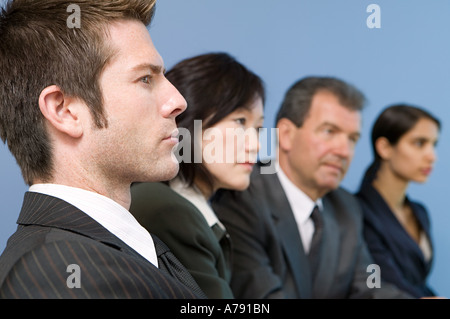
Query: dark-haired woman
(396,228)
(218,147)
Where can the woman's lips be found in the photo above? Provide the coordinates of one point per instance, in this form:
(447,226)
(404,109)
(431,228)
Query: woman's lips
(247,165)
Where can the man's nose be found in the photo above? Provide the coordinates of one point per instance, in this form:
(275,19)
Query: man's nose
(176,104)
(343,146)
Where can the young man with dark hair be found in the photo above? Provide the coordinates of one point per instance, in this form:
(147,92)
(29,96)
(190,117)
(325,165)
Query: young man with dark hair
(86,110)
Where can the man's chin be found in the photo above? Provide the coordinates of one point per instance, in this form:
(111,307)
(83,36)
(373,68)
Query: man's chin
(166,173)
(171,172)
(331,185)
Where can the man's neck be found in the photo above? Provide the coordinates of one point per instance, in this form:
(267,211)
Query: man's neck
(121,195)
(295,179)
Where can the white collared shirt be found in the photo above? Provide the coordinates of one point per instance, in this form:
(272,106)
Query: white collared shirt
(194,195)
(302,207)
(107,213)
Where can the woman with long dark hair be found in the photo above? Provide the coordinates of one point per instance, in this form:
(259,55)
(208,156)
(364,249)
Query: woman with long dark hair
(396,228)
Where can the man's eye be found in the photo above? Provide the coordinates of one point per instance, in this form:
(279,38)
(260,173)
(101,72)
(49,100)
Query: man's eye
(328,130)
(354,139)
(146,79)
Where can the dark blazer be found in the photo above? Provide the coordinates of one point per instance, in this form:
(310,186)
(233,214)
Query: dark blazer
(174,219)
(52,234)
(268,256)
(398,255)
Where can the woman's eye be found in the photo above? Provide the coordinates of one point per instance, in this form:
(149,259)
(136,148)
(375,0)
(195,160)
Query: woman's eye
(240,121)
(258,130)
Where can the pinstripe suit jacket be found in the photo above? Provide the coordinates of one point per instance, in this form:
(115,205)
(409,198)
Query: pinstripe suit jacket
(52,234)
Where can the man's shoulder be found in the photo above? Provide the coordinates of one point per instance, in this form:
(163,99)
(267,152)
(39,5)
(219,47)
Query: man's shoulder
(264,176)
(342,200)
(35,242)
(38,263)
(31,243)
(340,193)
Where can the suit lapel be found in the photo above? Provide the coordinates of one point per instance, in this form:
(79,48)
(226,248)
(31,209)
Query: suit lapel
(289,235)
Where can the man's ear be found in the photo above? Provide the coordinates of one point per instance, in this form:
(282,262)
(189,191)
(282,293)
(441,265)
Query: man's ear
(286,132)
(61,111)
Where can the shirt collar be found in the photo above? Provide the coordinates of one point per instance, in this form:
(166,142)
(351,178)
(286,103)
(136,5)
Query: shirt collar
(194,195)
(301,204)
(111,215)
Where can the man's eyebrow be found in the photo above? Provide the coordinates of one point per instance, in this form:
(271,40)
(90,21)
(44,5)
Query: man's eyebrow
(333,125)
(148,66)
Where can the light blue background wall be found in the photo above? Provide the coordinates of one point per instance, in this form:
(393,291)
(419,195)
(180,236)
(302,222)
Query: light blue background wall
(406,60)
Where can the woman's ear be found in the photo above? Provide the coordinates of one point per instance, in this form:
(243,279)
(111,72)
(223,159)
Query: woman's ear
(286,133)
(383,148)
(61,111)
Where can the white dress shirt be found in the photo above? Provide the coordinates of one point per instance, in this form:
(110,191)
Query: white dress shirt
(302,207)
(425,246)
(107,213)
(195,196)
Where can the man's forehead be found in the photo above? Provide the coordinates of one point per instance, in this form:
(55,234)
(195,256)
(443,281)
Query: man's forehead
(133,47)
(332,113)
(329,106)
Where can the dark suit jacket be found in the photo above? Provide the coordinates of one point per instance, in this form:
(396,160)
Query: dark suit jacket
(179,223)
(52,234)
(400,258)
(268,256)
